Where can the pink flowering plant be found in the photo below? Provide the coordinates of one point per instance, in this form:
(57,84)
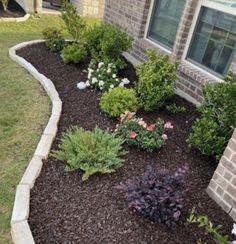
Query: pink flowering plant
(139,133)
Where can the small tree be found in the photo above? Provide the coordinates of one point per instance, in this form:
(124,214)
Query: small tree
(4,4)
(74,23)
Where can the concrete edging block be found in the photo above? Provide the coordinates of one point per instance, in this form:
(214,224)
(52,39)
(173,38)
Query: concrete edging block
(56,108)
(20,230)
(21,233)
(19,19)
(44,146)
(51,128)
(21,204)
(32,171)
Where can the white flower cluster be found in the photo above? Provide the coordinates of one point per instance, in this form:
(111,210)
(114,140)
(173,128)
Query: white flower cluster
(103,77)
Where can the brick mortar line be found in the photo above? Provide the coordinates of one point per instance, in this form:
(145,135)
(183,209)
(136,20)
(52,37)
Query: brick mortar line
(20,229)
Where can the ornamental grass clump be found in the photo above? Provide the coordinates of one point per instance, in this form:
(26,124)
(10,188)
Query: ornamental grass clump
(156,77)
(211,132)
(156,195)
(136,132)
(96,151)
(119,100)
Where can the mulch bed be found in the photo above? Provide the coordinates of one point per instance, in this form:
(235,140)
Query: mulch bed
(14,10)
(66,210)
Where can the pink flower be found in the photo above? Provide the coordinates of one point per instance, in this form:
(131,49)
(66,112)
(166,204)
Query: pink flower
(168,125)
(142,123)
(132,134)
(126,115)
(151,127)
(164,137)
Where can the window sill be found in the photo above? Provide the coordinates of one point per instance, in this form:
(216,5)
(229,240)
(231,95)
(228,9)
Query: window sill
(145,44)
(197,74)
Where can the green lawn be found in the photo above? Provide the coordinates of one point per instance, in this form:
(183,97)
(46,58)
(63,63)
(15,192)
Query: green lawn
(24,111)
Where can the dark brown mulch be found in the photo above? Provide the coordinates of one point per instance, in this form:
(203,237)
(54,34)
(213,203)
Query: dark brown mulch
(65,210)
(14,10)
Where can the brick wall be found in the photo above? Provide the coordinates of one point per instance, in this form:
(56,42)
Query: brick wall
(222,187)
(133,15)
(92,8)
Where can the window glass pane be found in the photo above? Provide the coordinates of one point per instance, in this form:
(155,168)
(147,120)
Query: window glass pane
(223,61)
(204,28)
(214,41)
(165,20)
(199,46)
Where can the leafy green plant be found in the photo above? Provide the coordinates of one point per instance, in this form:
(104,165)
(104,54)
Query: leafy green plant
(157,195)
(73,53)
(74,23)
(107,42)
(91,151)
(137,132)
(211,132)
(119,100)
(53,39)
(155,84)
(204,222)
(206,136)
(230,77)
(173,108)
(4,4)
(103,76)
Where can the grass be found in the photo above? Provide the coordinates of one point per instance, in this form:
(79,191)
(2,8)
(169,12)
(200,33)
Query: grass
(24,112)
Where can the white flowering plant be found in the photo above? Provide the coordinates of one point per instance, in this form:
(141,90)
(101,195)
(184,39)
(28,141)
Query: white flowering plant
(103,76)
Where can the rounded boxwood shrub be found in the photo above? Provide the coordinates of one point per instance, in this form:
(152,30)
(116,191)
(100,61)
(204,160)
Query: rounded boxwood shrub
(53,39)
(119,100)
(91,151)
(73,53)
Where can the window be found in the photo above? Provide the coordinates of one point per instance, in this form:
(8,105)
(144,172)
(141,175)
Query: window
(213,43)
(164,22)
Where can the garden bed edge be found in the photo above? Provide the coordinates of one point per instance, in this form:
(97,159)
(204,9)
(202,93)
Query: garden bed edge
(20,229)
(11,19)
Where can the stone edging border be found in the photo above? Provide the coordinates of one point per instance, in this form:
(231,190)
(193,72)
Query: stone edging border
(20,19)
(20,230)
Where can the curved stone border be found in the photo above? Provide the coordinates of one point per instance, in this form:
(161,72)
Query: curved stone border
(20,230)
(20,19)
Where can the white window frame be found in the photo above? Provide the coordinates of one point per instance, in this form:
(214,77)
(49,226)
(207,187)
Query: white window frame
(168,51)
(211,5)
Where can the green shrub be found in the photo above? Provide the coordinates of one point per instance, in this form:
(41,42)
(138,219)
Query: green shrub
(102,76)
(73,53)
(206,137)
(173,108)
(212,131)
(4,4)
(74,23)
(155,84)
(107,42)
(91,151)
(230,77)
(53,39)
(119,100)
(138,133)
